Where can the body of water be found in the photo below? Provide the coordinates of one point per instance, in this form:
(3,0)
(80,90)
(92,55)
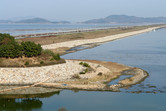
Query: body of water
(146,51)
(22,29)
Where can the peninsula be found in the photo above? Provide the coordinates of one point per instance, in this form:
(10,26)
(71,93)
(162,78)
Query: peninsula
(76,74)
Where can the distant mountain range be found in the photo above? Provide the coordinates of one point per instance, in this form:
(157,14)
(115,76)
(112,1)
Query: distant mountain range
(126,19)
(35,20)
(109,19)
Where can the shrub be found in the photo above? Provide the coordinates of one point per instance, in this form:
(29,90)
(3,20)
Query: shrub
(31,49)
(41,62)
(10,50)
(100,74)
(26,63)
(9,47)
(6,38)
(56,56)
(82,72)
(85,71)
(50,53)
(84,64)
(51,59)
(81,63)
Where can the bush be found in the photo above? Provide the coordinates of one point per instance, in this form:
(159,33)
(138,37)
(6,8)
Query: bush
(85,71)
(10,50)
(9,47)
(82,72)
(41,62)
(31,49)
(50,53)
(6,39)
(26,63)
(56,56)
(84,64)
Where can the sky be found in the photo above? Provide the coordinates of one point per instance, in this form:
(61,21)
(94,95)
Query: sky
(80,10)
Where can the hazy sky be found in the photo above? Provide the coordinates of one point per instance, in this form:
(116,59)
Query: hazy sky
(80,10)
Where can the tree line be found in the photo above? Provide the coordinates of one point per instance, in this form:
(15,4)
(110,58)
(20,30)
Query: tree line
(10,48)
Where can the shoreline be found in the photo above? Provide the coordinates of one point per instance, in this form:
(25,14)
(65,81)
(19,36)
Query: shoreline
(111,70)
(95,80)
(75,43)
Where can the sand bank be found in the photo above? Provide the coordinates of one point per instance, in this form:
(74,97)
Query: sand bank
(75,43)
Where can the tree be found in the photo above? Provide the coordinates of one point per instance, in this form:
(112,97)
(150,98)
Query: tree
(10,48)
(6,39)
(31,49)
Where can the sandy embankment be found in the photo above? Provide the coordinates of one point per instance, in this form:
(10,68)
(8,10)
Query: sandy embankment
(61,76)
(75,43)
(48,74)
(53,73)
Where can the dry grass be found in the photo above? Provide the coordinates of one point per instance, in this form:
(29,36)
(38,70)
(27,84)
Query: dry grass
(29,62)
(82,35)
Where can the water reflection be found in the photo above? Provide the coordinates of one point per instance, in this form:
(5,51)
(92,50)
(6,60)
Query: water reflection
(23,102)
(20,104)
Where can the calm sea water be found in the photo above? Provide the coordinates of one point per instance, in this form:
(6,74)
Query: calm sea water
(147,51)
(19,29)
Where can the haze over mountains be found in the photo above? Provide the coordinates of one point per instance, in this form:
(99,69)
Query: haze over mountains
(34,20)
(109,19)
(126,19)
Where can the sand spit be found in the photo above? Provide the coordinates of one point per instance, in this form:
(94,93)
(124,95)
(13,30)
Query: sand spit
(75,43)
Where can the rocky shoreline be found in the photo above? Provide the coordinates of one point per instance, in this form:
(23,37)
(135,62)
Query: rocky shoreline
(61,76)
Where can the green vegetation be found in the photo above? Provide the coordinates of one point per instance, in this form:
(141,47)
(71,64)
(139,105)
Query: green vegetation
(10,48)
(84,71)
(88,67)
(26,63)
(84,64)
(21,54)
(41,62)
(50,53)
(31,49)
